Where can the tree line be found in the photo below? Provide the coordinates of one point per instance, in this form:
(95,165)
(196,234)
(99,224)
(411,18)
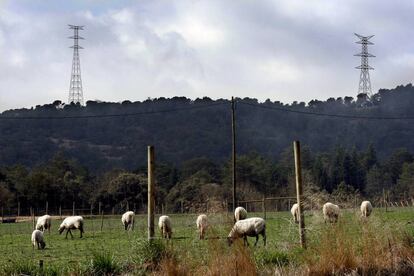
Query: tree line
(63,180)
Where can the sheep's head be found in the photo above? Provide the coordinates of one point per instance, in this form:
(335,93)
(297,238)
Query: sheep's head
(229,241)
(42,244)
(61,228)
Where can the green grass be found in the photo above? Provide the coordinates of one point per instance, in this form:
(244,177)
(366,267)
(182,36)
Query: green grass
(121,246)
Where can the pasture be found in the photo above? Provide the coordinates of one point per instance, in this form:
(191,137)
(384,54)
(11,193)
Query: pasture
(282,250)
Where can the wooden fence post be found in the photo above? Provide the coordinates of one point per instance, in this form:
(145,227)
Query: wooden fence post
(299,191)
(99,207)
(151,200)
(102,216)
(60,211)
(47,207)
(264,207)
(73,208)
(127,206)
(91,210)
(33,218)
(18,209)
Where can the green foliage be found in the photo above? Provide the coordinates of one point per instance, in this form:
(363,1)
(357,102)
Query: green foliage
(27,267)
(150,253)
(103,263)
(271,257)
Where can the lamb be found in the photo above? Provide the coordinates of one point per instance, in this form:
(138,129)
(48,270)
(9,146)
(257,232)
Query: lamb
(295,212)
(252,227)
(73,222)
(37,239)
(366,209)
(240,213)
(164,224)
(330,212)
(128,220)
(44,223)
(202,225)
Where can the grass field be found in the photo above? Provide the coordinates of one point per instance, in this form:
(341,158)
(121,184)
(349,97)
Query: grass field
(282,236)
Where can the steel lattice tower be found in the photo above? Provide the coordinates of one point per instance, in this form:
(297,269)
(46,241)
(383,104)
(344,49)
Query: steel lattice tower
(75,89)
(364,79)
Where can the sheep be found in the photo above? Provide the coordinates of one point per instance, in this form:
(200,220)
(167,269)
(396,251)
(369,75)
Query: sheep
(44,223)
(128,220)
(37,239)
(164,224)
(252,227)
(202,225)
(330,212)
(366,209)
(73,222)
(295,212)
(240,213)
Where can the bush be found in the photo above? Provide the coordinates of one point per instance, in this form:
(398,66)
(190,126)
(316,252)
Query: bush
(23,267)
(103,264)
(150,253)
(266,257)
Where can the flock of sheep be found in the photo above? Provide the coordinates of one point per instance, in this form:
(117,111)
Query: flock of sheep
(331,211)
(243,227)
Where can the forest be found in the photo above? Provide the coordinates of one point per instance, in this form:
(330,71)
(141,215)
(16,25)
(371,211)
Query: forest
(87,154)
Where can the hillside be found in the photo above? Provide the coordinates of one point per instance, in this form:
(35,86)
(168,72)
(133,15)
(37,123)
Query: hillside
(182,129)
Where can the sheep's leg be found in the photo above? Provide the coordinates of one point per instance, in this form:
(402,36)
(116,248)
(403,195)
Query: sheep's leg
(70,232)
(126,226)
(81,231)
(67,231)
(264,238)
(257,239)
(38,245)
(245,240)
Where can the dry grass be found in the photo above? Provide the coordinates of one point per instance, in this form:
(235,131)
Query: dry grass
(367,248)
(236,260)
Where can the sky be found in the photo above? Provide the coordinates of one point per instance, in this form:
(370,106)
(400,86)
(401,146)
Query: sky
(282,50)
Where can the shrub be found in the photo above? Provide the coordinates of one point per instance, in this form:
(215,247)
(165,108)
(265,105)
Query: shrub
(150,253)
(103,264)
(24,267)
(266,257)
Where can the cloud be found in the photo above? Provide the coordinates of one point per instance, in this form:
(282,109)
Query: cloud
(283,50)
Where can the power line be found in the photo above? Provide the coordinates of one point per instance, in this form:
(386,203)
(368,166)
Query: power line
(341,116)
(110,115)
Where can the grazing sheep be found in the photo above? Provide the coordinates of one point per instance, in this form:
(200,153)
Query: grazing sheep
(37,239)
(330,212)
(252,227)
(240,213)
(164,224)
(366,209)
(74,222)
(44,223)
(295,212)
(128,220)
(202,225)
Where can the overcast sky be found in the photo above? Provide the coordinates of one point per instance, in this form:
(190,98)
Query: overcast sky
(283,50)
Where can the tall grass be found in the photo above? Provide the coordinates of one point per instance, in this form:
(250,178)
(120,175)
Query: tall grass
(364,247)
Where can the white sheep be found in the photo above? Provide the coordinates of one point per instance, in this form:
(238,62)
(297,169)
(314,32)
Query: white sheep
(44,223)
(202,225)
(252,227)
(164,224)
(295,212)
(37,239)
(330,212)
(366,209)
(240,213)
(73,222)
(128,220)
